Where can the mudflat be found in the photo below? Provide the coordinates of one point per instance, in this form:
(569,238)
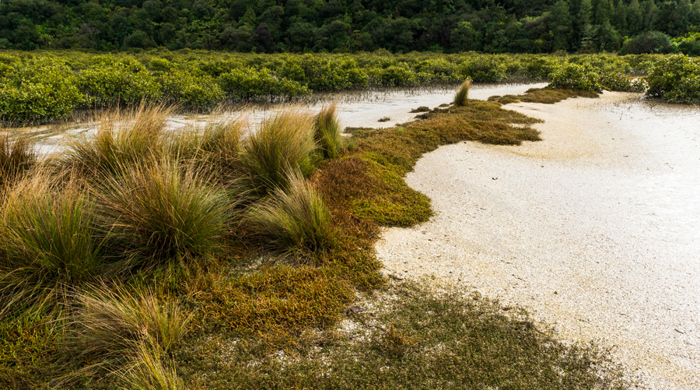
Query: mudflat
(595,229)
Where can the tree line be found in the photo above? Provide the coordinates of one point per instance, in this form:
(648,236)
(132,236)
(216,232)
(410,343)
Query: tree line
(267,26)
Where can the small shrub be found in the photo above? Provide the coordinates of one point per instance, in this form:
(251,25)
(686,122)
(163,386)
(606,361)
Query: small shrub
(293,218)
(484,69)
(327,132)
(114,327)
(198,92)
(462,94)
(158,211)
(16,157)
(281,144)
(38,91)
(121,83)
(676,79)
(249,84)
(48,240)
(400,75)
(576,77)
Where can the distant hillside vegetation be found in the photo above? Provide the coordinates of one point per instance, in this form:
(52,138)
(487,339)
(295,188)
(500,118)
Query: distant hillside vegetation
(353,25)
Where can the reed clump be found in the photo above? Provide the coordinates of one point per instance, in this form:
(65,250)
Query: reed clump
(294,218)
(161,211)
(327,132)
(462,95)
(282,144)
(49,239)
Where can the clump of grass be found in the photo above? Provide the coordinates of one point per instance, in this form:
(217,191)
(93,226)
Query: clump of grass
(281,145)
(327,132)
(151,370)
(48,240)
(160,211)
(216,150)
(115,328)
(462,95)
(293,218)
(123,138)
(16,157)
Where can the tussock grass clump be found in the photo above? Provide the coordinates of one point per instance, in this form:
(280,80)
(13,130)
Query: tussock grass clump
(160,211)
(123,138)
(462,94)
(114,327)
(281,144)
(216,150)
(327,132)
(16,157)
(48,240)
(295,218)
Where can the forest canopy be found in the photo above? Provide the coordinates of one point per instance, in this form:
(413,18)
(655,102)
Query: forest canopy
(493,26)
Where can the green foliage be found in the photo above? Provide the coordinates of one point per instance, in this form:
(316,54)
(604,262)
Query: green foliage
(676,79)
(400,75)
(484,69)
(576,77)
(294,218)
(650,42)
(250,84)
(193,91)
(118,83)
(38,91)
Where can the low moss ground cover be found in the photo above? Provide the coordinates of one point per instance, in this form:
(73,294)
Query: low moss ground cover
(45,86)
(261,296)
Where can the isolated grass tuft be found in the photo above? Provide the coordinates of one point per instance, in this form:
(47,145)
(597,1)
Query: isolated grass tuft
(281,144)
(327,132)
(295,218)
(123,138)
(113,327)
(48,240)
(160,211)
(462,94)
(16,157)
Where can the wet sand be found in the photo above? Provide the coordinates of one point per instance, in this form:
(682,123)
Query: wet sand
(595,230)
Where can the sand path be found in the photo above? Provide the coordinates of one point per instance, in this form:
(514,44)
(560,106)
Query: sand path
(596,229)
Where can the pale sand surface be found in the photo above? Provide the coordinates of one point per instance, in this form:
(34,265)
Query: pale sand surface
(595,230)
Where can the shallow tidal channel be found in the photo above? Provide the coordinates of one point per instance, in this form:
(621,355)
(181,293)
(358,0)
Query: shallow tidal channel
(595,229)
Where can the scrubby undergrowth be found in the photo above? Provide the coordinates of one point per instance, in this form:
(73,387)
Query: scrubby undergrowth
(204,282)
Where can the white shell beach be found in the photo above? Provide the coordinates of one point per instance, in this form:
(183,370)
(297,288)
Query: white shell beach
(595,229)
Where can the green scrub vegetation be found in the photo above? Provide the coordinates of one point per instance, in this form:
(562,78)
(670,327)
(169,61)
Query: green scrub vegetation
(48,86)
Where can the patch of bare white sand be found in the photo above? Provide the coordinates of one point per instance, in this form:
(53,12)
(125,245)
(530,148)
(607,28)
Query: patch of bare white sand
(596,229)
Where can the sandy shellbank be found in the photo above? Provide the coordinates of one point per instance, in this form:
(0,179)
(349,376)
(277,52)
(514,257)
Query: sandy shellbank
(596,229)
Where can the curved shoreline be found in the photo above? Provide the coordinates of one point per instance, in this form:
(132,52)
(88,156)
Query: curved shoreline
(580,228)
